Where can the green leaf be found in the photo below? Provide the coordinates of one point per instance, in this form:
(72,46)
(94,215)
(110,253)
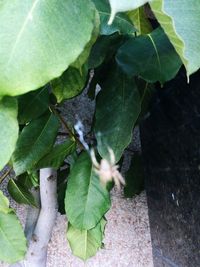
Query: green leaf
(140,21)
(62,176)
(4,203)
(9,129)
(147,91)
(28,180)
(25,180)
(85,243)
(35,141)
(20,193)
(180,20)
(124,5)
(118,107)
(103,223)
(83,57)
(134,177)
(152,57)
(70,84)
(72,159)
(12,240)
(40,39)
(99,51)
(104,49)
(86,199)
(56,156)
(32,105)
(121,23)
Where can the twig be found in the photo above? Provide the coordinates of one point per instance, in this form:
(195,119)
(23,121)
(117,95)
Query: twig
(63,134)
(5,175)
(71,134)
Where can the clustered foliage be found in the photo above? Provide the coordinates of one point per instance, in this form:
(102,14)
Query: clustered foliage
(47,52)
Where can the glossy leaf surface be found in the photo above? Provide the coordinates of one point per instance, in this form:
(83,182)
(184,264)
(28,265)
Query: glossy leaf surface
(4,203)
(56,156)
(86,199)
(85,243)
(180,20)
(151,57)
(140,21)
(35,141)
(70,84)
(40,39)
(32,105)
(9,129)
(118,107)
(20,193)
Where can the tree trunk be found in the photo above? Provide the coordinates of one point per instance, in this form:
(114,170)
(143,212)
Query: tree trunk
(37,250)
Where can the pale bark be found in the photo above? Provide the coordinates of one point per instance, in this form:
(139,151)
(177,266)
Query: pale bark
(37,250)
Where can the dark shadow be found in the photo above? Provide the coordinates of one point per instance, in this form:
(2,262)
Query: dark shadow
(170,138)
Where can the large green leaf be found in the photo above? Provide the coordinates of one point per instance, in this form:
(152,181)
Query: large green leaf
(86,199)
(70,84)
(104,49)
(124,5)
(83,57)
(20,193)
(140,21)
(99,51)
(9,129)
(180,20)
(35,141)
(85,243)
(121,23)
(56,156)
(118,107)
(12,240)
(151,56)
(4,203)
(40,39)
(32,105)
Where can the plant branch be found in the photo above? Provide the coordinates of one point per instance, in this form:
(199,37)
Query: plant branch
(69,131)
(3,177)
(37,250)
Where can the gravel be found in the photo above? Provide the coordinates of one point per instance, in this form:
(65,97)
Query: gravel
(127,241)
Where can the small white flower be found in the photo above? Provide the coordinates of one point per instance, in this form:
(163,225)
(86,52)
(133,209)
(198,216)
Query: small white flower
(107,170)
